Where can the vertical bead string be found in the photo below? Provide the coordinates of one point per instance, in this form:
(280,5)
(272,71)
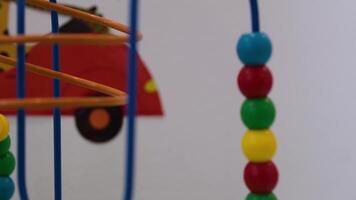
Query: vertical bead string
(7,161)
(255,81)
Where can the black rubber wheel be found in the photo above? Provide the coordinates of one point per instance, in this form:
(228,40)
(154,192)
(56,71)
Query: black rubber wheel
(103,132)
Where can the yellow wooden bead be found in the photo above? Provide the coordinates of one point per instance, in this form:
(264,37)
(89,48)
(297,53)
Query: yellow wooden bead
(259,145)
(4,127)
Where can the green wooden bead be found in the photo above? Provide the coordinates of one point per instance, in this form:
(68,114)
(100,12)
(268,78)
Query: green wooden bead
(7,164)
(5,146)
(253,196)
(258,113)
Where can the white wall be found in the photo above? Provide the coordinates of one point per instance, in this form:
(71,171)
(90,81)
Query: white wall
(194,152)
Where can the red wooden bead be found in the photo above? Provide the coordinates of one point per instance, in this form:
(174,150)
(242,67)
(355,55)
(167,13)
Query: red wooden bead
(261,178)
(255,82)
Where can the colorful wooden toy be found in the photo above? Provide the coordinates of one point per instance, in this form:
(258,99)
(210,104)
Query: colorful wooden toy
(92,95)
(258,111)
(85,61)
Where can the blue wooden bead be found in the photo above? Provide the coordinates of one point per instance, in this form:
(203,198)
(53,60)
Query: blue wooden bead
(254,48)
(7,188)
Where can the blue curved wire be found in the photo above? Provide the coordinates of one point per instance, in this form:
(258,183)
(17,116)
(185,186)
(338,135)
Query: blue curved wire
(132,92)
(255,16)
(57,139)
(21,114)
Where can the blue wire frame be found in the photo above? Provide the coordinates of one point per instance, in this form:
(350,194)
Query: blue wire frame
(255,16)
(132,92)
(57,135)
(21,114)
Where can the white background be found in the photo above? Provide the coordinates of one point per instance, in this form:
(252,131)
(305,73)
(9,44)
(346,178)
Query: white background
(194,152)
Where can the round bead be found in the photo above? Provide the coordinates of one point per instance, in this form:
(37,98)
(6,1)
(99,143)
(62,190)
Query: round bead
(4,127)
(253,196)
(7,188)
(261,178)
(5,145)
(259,145)
(254,48)
(258,113)
(7,164)
(255,82)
